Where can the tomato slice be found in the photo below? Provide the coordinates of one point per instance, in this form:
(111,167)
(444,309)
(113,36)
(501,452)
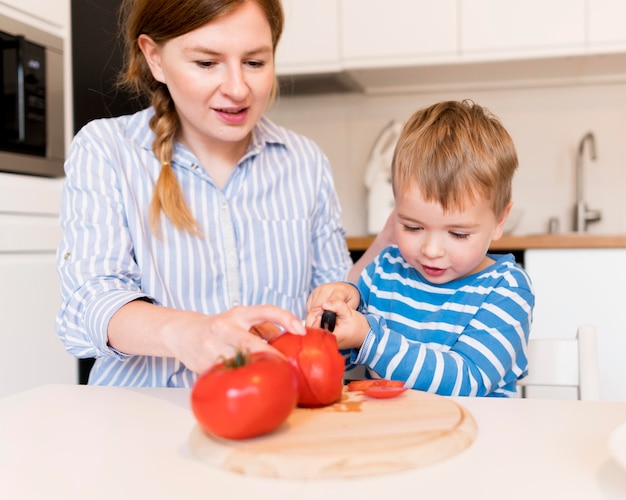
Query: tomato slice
(363,385)
(384,392)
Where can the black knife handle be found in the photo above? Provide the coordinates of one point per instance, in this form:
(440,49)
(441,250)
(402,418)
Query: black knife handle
(329,319)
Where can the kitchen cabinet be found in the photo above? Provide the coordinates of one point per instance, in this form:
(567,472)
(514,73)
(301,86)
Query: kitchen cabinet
(521,28)
(400,33)
(55,13)
(31,352)
(310,40)
(605,25)
(580,285)
(412,44)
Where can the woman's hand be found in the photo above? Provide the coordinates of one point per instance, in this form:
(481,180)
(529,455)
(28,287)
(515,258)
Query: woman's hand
(197,340)
(208,339)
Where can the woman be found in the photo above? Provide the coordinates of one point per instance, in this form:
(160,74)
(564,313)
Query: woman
(181,220)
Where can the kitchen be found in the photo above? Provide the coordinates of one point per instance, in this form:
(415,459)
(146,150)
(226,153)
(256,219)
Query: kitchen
(550,88)
(550,84)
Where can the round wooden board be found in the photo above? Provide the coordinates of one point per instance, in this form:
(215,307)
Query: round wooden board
(358,436)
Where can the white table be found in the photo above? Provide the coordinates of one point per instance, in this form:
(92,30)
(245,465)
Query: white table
(79,442)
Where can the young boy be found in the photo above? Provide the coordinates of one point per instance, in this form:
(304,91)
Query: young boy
(436,310)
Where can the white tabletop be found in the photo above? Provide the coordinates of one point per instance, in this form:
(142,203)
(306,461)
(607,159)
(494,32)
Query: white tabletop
(103,442)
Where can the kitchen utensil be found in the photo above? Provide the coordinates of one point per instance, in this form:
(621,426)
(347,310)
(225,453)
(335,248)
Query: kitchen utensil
(357,436)
(329,320)
(380,200)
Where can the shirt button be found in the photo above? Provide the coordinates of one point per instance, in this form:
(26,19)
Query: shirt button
(236,303)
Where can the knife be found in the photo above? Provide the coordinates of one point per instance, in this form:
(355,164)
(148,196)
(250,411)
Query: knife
(329,319)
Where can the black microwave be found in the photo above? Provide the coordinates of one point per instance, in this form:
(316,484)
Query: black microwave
(22,95)
(32,135)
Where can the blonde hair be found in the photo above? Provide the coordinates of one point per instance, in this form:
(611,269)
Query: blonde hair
(456,152)
(163,20)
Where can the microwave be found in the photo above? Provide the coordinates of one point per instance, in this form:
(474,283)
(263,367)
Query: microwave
(32,139)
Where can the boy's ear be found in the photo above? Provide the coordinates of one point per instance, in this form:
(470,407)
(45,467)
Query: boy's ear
(499,230)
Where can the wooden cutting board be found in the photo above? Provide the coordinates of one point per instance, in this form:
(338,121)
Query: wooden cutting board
(358,436)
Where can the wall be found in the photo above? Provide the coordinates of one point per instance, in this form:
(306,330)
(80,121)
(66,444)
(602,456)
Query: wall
(546,121)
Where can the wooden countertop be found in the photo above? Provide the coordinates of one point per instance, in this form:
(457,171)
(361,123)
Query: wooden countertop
(524,242)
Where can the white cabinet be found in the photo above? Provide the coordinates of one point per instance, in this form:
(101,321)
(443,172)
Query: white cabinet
(522,28)
(310,40)
(400,33)
(605,24)
(575,286)
(55,12)
(405,44)
(31,352)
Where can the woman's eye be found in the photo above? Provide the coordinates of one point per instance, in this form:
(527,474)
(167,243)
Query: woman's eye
(256,64)
(205,64)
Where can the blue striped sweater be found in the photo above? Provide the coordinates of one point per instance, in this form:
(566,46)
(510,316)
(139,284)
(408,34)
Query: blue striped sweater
(467,337)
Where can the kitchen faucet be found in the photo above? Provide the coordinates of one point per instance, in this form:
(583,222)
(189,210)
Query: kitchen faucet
(583,215)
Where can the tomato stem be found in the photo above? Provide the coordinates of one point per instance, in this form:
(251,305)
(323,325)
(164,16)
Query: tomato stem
(238,360)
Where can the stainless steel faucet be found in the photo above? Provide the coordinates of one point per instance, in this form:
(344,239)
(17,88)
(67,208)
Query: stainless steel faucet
(582,215)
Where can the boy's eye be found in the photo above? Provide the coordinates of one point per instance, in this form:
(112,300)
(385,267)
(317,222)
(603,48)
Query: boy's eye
(412,229)
(460,236)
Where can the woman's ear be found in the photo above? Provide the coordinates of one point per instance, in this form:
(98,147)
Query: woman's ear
(499,229)
(152,53)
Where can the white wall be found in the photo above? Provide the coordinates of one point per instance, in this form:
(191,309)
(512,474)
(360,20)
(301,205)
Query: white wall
(546,122)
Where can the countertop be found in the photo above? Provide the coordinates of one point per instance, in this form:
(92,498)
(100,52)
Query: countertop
(525,242)
(76,442)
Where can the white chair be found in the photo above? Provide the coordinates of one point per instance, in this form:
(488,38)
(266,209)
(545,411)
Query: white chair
(565,368)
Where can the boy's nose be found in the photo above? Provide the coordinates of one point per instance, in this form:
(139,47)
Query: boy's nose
(432,247)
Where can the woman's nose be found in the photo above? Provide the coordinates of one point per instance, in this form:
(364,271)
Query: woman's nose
(234,84)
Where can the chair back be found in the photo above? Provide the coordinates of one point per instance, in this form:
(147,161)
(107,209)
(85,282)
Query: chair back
(565,368)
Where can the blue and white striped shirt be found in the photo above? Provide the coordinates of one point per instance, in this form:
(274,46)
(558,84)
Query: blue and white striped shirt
(270,236)
(467,337)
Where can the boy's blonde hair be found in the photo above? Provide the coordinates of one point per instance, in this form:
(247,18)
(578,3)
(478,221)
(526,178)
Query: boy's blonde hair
(456,152)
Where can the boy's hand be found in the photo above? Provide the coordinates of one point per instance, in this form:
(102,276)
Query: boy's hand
(343,299)
(351,326)
(342,292)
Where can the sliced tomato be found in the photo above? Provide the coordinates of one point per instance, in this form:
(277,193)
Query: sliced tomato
(318,365)
(362,385)
(384,392)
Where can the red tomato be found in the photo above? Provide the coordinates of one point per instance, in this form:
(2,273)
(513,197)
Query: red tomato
(378,388)
(384,392)
(318,363)
(245,396)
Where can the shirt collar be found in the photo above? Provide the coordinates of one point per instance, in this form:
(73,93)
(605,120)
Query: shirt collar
(265,133)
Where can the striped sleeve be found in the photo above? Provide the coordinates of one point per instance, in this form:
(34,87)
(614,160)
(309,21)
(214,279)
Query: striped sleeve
(465,341)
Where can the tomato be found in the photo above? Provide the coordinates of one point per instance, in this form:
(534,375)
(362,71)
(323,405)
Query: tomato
(384,392)
(378,388)
(361,385)
(245,396)
(319,365)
